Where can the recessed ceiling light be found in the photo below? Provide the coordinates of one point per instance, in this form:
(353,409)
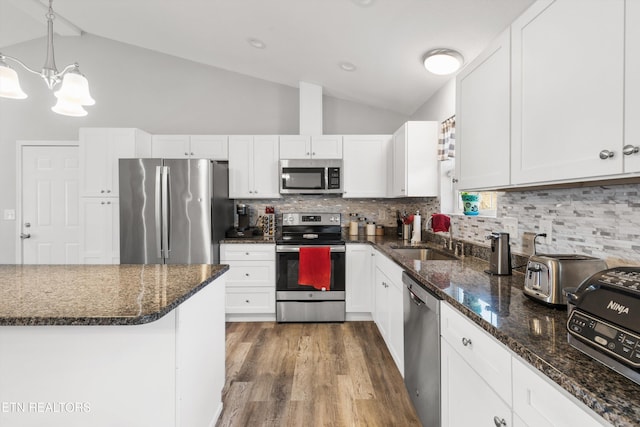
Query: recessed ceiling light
(443,61)
(347,66)
(363,3)
(257,43)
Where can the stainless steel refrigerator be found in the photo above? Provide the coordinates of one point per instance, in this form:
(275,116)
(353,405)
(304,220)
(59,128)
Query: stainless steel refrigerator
(173,211)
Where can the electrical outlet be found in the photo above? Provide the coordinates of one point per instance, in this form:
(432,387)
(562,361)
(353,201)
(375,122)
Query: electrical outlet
(382,214)
(546,226)
(10,214)
(510,226)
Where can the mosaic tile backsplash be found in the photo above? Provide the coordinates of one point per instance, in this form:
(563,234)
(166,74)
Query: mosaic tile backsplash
(601,221)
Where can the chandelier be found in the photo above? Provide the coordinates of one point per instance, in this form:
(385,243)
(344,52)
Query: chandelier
(74,90)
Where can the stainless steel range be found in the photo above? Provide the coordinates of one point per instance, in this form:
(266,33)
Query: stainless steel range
(297,299)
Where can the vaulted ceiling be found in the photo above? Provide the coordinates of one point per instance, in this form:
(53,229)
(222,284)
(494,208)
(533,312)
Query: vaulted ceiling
(304,40)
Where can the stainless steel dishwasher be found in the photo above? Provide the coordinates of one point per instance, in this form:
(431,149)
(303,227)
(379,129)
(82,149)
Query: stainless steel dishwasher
(422,350)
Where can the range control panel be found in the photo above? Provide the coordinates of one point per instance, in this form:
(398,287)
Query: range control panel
(611,339)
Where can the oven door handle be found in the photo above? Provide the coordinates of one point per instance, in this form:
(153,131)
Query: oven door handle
(291,249)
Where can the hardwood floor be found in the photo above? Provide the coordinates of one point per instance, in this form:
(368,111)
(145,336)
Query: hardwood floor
(312,374)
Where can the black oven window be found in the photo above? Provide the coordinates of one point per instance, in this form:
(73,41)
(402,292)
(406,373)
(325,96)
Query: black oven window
(287,269)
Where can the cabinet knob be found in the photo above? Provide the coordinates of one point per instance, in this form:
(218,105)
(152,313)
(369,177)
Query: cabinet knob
(466,341)
(108,203)
(247,301)
(246,253)
(247,274)
(499,422)
(186,154)
(102,203)
(102,191)
(313,154)
(108,191)
(629,149)
(606,154)
(192,154)
(307,153)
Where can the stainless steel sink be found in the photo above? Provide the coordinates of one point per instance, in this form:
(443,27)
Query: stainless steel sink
(423,254)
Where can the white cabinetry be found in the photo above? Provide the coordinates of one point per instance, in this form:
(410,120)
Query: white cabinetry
(214,147)
(539,403)
(359,279)
(567,106)
(100,232)
(310,147)
(253,167)
(632,86)
(365,165)
(483,137)
(388,312)
(100,149)
(251,287)
(415,164)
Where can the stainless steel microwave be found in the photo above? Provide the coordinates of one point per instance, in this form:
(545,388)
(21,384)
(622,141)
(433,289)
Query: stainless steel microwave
(313,176)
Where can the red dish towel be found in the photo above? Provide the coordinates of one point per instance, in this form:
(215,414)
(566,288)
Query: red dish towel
(440,222)
(314,267)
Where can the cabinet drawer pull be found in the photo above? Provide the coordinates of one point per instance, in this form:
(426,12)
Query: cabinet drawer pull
(499,422)
(466,341)
(606,154)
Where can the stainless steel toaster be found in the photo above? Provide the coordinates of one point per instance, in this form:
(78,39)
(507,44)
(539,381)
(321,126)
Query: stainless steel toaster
(548,274)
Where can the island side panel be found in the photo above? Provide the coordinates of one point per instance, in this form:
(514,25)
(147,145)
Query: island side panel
(66,376)
(200,356)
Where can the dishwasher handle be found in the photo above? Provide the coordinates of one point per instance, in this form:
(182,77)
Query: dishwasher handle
(414,298)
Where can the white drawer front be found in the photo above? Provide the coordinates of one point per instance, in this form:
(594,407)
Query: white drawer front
(539,403)
(251,273)
(253,252)
(250,300)
(482,352)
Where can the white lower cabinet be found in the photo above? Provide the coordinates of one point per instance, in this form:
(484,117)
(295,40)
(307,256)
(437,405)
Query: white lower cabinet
(539,403)
(467,399)
(359,277)
(485,384)
(100,231)
(251,281)
(388,310)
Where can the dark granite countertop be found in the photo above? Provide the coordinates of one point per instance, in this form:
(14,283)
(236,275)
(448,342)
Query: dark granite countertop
(97,294)
(534,332)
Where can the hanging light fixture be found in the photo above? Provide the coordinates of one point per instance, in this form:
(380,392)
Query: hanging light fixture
(443,61)
(74,91)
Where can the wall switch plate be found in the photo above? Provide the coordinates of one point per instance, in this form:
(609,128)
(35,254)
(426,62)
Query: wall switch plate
(546,226)
(382,214)
(10,214)
(510,226)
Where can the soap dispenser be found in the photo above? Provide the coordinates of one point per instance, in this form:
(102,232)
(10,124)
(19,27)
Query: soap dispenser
(500,258)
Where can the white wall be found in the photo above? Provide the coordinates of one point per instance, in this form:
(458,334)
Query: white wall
(440,107)
(135,87)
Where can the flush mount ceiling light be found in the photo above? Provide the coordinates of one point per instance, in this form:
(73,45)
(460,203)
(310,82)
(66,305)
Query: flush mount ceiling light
(443,61)
(74,91)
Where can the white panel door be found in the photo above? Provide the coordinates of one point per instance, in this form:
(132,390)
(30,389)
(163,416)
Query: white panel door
(50,205)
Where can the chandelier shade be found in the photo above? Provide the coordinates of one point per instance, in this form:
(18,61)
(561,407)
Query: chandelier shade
(74,90)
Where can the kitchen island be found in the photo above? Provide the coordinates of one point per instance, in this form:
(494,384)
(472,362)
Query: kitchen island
(111,345)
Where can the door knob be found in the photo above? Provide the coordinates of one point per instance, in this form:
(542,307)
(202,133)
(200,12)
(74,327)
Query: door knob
(25,236)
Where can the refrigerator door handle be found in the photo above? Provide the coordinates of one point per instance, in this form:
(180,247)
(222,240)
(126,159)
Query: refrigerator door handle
(167,214)
(158,211)
(166,218)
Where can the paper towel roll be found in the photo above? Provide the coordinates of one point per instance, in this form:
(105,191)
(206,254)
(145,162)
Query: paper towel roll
(417,233)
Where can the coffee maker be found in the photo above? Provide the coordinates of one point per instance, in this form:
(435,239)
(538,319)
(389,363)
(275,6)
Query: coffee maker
(244,228)
(243,216)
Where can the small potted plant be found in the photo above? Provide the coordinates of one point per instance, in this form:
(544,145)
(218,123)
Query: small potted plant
(470,203)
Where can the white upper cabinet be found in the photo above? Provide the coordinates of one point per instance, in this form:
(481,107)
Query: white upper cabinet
(214,147)
(310,147)
(100,149)
(568,94)
(365,165)
(414,161)
(483,91)
(632,87)
(253,167)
